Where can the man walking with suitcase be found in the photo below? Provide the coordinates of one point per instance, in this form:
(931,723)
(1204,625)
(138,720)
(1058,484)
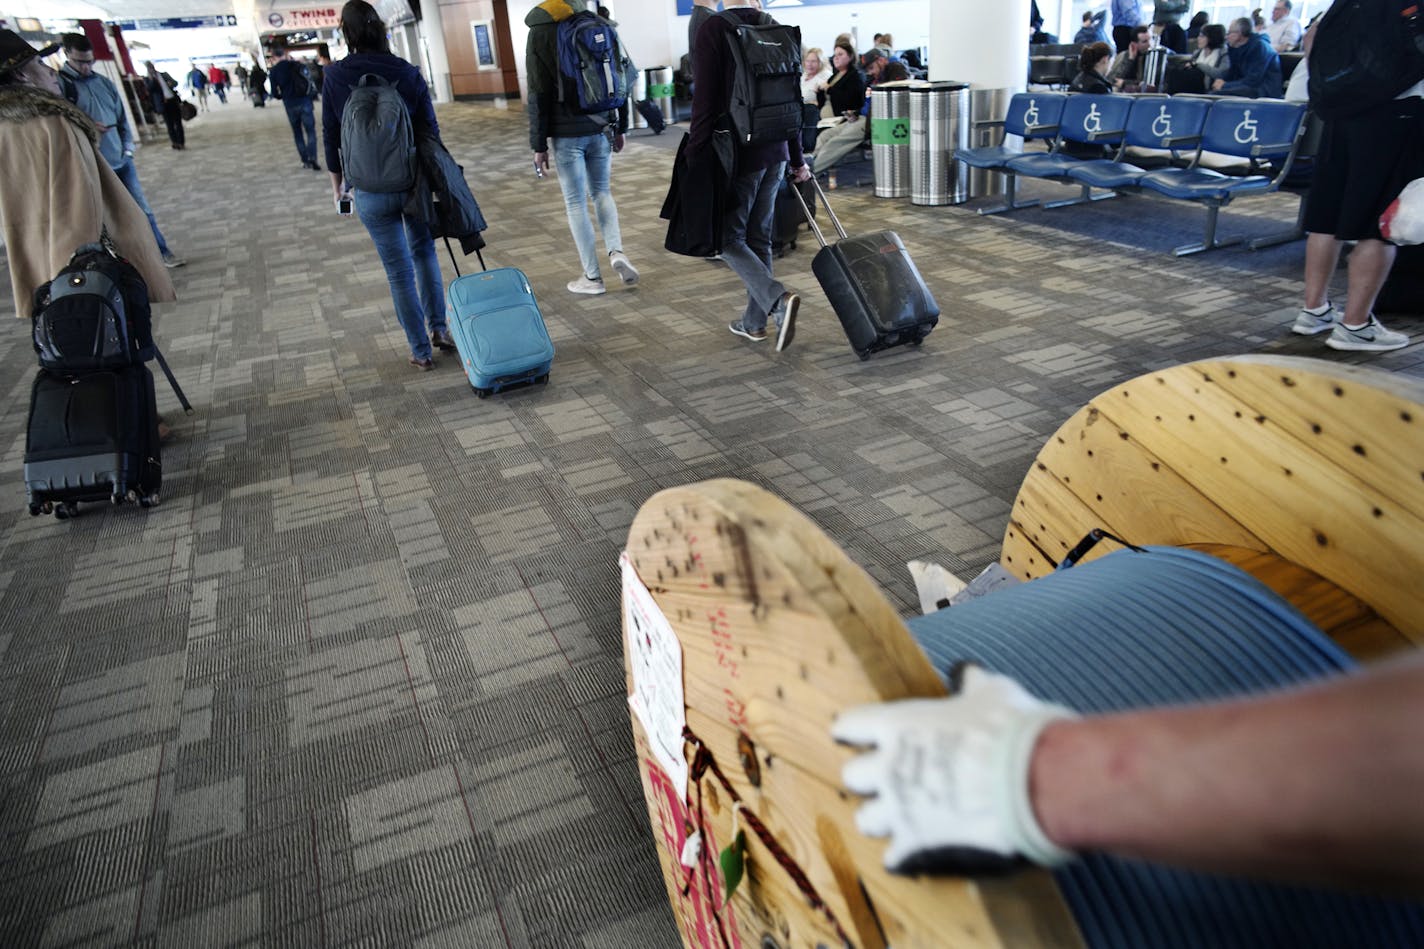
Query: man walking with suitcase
(751,194)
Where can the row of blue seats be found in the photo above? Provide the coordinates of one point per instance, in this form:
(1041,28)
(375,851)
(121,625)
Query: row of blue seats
(1263,134)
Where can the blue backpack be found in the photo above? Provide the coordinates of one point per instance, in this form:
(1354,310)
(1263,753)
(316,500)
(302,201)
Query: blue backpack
(591,58)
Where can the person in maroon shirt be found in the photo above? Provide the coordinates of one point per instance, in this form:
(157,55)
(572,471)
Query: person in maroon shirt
(751,199)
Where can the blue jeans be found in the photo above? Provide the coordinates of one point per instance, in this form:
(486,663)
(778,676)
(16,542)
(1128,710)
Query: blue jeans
(128,174)
(299,114)
(408,253)
(746,240)
(583,165)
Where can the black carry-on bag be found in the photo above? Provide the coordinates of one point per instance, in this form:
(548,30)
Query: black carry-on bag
(873,285)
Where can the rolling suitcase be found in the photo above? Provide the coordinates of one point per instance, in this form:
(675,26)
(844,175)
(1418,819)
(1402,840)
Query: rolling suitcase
(789,217)
(498,330)
(651,114)
(92,437)
(873,285)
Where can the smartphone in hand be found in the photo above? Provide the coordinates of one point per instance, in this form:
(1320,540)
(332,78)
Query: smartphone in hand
(343,205)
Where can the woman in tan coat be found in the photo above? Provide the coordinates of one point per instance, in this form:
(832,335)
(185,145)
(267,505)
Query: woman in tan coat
(56,192)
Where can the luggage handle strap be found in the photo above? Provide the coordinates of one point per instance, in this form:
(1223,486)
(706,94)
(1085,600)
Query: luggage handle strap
(810,217)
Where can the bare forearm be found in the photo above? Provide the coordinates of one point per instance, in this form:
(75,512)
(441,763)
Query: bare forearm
(1321,785)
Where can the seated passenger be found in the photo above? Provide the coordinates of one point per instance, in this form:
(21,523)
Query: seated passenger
(1255,70)
(1093,65)
(1127,69)
(836,144)
(844,91)
(1209,63)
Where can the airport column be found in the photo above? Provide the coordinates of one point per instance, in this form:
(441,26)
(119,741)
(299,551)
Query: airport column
(986,45)
(432,36)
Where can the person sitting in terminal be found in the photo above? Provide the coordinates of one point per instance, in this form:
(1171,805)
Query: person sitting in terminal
(1093,30)
(1127,69)
(57,192)
(1318,784)
(1255,69)
(844,91)
(1093,65)
(403,242)
(836,144)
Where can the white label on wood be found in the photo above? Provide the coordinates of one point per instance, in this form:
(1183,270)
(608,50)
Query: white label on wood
(655,656)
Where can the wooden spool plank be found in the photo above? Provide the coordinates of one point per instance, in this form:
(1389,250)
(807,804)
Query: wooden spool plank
(1367,422)
(1313,509)
(779,632)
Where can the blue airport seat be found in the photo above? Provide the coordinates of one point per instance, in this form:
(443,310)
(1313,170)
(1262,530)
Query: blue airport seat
(1153,122)
(1265,132)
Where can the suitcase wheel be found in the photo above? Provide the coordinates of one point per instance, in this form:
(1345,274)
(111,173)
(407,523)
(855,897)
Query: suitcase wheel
(864,356)
(542,380)
(66,510)
(483,393)
(35,509)
(149,500)
(916,341)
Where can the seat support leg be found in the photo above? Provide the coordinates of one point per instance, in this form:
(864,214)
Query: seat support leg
(1283,237)
(1011,204)
(1209,241)
(1085,196)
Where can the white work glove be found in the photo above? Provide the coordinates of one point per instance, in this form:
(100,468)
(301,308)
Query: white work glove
(948,778)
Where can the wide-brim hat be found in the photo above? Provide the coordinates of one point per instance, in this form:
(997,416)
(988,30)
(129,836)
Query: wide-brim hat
(15,51)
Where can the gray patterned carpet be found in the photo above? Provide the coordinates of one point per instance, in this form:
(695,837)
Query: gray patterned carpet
(358,680)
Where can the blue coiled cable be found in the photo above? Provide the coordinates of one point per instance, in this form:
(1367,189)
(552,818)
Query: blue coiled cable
(1162,626)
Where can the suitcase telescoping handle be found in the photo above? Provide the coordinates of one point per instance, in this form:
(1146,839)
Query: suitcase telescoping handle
(811,218)
(456,264)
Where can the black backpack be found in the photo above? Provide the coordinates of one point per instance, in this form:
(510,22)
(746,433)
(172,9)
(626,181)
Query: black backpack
(93,315)
(765,104)
(1365,53)
(302,82)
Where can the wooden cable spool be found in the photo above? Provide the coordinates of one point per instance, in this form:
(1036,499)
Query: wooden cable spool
(1306,474)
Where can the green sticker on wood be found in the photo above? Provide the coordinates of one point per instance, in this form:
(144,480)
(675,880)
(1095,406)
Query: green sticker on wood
(889,131)
(733,860)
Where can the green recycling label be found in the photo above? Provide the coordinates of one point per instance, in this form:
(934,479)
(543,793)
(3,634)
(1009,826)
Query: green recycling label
(889,131)
(660,90)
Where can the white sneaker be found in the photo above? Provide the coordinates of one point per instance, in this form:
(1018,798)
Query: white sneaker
(173,260)
(624,266)
(587,285)
(1311,322)
(1371,338)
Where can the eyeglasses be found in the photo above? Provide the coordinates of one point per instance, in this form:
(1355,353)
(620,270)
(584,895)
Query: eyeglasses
(81,62)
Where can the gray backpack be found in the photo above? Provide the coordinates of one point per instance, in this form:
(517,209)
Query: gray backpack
(377,139)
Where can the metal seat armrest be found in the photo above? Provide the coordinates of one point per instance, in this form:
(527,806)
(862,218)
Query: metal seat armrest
(1176,140)
(1107,133)
(1036,131)
(1267,151)
(989,124)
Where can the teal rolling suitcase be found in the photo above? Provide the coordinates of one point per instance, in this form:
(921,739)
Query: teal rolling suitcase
(499,331)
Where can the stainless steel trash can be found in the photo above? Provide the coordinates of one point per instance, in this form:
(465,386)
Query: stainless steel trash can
(640,92)
(939,127)
(890,139)
(659,84)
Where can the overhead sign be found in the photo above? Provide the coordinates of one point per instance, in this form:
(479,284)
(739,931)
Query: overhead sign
(216,21)
(310,18)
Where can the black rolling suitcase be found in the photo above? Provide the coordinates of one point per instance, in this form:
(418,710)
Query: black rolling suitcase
(651,114)
(92,437)
(873,285)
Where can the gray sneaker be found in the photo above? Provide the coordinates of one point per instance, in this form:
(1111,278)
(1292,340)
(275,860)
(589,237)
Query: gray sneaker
(1309,323)
(626,271)
(173,260)
(1370,338)
(587,285)
(784,315)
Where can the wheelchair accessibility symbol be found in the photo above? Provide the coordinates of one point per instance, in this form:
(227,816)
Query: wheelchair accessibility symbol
(1246,131)
(1031,116)
(1162,125)
(1093,121)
